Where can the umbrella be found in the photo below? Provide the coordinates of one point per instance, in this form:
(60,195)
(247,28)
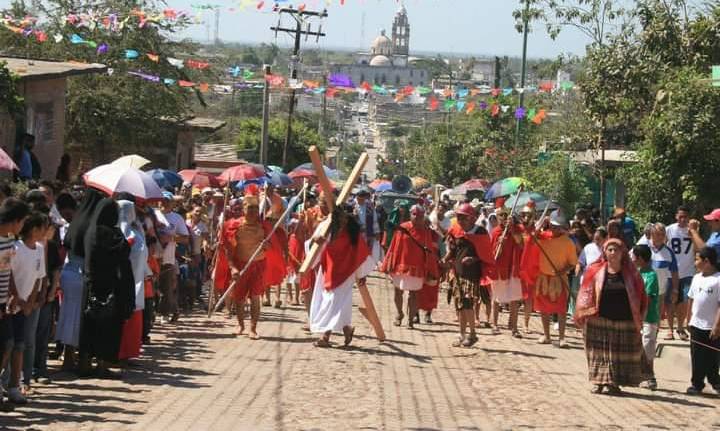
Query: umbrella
(376,183)
(246,171)
(302,173)
(278,179)
(113,179)
(199,179)
(420,183)
(541,201)
(165,178)
(131,161)
(308,167)
(504,187)
(6,162)
(273,168)
(475,184)
(383,187)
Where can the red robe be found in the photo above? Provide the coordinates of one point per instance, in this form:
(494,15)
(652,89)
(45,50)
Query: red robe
(341,259)
(405,256)
(483,249)
(221,272)
(530,260)
(508,263)
(276,267)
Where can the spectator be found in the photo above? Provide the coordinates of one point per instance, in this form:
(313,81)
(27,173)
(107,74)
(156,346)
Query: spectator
(642,257)
(704,297)
(25,165)
(713,241)
(611,306)
(628,228)
(63,170)
(13,213)
(680,242)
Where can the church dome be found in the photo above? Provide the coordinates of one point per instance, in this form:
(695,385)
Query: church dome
(382,45)
(380,61)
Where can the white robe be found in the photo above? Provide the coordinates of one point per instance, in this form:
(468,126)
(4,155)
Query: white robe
(332,310)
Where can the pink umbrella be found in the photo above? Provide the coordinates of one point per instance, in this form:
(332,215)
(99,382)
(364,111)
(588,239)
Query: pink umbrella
(6,162)
(244,172)
(113,179)
(199,179)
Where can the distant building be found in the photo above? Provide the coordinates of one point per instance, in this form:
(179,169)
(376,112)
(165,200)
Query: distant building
(388,62)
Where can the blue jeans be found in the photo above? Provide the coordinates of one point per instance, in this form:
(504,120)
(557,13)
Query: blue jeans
(43,338)
(31,325)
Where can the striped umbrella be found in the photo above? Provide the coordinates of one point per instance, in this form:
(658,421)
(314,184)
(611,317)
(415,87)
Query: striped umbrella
(504,187)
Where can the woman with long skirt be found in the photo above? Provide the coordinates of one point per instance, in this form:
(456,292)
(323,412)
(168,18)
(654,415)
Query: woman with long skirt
(71,278)
(611,306)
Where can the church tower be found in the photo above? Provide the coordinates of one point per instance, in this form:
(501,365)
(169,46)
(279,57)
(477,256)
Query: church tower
(401,32)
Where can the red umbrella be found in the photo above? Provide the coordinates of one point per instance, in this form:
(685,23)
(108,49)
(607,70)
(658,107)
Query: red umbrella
(475,184)
(6,162)
(247,171)
(302,173)
(199,179)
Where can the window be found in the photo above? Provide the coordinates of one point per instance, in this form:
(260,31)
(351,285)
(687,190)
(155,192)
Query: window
(362,77)
(383,79)
(411,72)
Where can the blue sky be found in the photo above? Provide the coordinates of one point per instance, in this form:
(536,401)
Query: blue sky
(480,27)
(456,26)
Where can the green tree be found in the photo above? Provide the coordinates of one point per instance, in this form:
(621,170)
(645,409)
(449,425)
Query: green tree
(560,179)
(304,136)
(10,100)
(116,112)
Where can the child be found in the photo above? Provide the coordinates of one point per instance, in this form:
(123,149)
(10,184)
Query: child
(28,273)
(704,297)
(642,257)
(12,216)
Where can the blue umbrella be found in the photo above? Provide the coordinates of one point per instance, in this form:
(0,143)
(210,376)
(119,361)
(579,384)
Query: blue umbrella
(165,178)
(383,187)
(278,179)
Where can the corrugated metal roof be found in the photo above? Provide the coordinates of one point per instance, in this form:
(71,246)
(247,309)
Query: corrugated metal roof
(41,69)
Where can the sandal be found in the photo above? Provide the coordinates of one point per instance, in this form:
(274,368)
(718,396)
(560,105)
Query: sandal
(596,389)
(543,340)
(349,335)
(495,330)
(562,344)
(323,343)
(682,334)
(458,342)
(669,336)
(614,390)
(516,334)
(398,320)
(470,341)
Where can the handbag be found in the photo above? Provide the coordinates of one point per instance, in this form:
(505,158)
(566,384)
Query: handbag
(101,309)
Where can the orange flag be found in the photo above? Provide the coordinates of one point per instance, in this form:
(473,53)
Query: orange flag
(470,107)
(153,57)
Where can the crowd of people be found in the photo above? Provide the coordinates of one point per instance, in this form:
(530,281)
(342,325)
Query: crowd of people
(85,277)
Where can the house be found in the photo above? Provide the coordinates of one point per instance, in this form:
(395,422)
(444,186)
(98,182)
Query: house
(43,85)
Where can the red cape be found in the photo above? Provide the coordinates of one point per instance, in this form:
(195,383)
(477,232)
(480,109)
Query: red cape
(508,263)
(275,266)
(530,260)
(296,253)
(405,256)
(483,249)
(221,272)
(341,259)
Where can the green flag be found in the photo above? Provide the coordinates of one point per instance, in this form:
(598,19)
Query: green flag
(716,76)
(248,74)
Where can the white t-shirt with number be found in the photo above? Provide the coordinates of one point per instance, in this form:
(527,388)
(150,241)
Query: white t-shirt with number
(680,242)
(705,293)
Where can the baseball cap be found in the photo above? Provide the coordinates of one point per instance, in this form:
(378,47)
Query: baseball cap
(466,209)
(713,216)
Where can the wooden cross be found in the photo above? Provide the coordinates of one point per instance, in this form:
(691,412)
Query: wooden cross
(368,308)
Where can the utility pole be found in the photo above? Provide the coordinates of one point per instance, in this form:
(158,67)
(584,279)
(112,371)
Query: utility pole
(321,126)
(265,116)
(298,16)
(526,22)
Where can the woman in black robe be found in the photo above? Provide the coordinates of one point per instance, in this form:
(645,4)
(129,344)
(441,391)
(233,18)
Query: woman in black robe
(110,289)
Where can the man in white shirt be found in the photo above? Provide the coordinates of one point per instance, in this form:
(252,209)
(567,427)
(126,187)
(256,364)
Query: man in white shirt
(171,231)
(680,242)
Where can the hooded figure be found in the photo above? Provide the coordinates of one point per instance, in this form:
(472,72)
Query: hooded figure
(75,236)
(109,285)
(133,232)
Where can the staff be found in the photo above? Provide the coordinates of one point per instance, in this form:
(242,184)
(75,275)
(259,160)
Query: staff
(259,248)
(509,222)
